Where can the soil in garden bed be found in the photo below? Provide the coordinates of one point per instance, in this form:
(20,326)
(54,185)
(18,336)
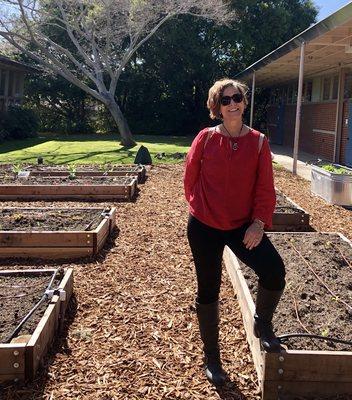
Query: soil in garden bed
(284,206)
(13,168)
(18,295)
(307,306)
(66,180)
(49,219)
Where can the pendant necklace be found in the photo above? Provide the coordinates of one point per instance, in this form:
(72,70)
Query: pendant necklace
(235,144)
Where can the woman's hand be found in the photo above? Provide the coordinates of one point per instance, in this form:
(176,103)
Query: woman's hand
(254,234)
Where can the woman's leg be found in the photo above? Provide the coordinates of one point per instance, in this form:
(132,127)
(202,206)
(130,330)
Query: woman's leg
(207,246)
(269,267)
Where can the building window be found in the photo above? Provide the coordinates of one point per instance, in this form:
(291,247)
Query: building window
(335,87)
(326,88)
(348,86)
(308,91)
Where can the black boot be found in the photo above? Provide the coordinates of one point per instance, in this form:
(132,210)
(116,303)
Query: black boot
(267,301)
(208,318)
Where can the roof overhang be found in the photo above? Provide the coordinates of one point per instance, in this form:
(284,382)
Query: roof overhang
(17,65)
(328,46)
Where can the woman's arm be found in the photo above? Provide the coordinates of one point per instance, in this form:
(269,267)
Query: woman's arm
(193,162)
(264,194)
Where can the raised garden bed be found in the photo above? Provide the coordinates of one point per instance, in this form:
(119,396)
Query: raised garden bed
(318,303)
(137,171)
(54,232)
(333,183)
(288,216)
(20,292)
(58,188)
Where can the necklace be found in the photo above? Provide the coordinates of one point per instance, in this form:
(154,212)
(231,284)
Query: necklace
(235,144)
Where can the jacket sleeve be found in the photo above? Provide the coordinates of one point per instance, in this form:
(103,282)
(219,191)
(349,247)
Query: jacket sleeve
(264,194)
(193,163)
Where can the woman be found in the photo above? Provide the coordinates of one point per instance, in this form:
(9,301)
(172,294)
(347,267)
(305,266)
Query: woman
(229,187)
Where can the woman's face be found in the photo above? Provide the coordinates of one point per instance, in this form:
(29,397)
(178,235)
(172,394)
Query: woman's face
(233,110)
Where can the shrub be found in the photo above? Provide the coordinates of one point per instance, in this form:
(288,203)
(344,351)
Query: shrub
(18,123)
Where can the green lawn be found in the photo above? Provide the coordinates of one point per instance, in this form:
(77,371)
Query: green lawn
(84,149)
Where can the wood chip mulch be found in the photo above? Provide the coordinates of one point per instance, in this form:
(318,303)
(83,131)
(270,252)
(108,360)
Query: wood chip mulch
(131,330)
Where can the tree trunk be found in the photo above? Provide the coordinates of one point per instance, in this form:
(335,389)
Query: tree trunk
(124,129)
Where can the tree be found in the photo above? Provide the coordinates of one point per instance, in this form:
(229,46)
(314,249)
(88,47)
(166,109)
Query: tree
(105,34)
(176,87)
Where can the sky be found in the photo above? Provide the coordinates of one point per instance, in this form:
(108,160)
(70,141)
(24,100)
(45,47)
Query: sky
(328,7)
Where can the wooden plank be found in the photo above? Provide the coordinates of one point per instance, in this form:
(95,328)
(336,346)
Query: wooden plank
(277,390)
(295,220)
(247,308)
(68,196)
(113,218)
(309,366)
(45,239)
(102,234)
(67,285)
(12,361)
(46,252)
(8,272)
(41,339)
(44,334)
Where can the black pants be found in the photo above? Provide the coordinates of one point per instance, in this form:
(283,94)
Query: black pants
(207,245)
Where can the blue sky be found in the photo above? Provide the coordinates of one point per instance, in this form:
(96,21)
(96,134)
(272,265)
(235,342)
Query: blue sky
(328,7)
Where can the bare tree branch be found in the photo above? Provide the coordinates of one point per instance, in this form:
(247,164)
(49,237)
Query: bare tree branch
(90,42)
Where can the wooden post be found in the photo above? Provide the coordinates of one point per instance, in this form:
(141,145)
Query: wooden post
(252,100)
(298,109)
(339,114)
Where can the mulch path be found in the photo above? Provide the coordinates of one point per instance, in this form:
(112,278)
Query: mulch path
(131,331)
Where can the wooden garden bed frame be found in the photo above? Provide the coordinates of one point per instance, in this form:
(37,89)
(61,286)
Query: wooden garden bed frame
(292,373)
(295,221)
(68,192)
(138,171)
(57,244)
(20,361)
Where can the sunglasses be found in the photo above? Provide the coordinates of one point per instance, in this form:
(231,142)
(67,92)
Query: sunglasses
(226,100)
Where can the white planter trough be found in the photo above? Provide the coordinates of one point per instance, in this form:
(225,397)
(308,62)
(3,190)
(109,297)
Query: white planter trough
(332,187)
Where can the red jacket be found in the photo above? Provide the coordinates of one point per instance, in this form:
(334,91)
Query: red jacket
(226,188)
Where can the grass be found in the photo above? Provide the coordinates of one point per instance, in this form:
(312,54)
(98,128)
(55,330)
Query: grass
(86,149)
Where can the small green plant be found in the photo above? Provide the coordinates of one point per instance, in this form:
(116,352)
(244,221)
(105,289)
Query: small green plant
(17,217)
(335,170)
(72,172)
(325,332)
(16,168)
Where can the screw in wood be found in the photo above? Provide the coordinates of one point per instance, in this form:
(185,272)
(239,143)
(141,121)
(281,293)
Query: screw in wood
(280,371)
(16,365)
(281,359)
(16,353)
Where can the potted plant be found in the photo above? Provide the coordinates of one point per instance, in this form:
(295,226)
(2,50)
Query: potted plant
(332,182)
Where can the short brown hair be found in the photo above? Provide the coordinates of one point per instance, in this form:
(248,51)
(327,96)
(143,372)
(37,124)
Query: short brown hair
(216,91)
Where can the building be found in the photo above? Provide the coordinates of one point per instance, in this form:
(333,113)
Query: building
(12,75)
(316,68)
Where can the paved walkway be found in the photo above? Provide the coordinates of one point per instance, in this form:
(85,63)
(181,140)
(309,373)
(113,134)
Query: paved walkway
(283,156)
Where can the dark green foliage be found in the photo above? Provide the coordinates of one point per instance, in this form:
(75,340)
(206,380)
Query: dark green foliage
(18,123)
(164,90)
(62,107)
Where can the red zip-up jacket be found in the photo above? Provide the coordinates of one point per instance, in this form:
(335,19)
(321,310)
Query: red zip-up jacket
(226,188)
